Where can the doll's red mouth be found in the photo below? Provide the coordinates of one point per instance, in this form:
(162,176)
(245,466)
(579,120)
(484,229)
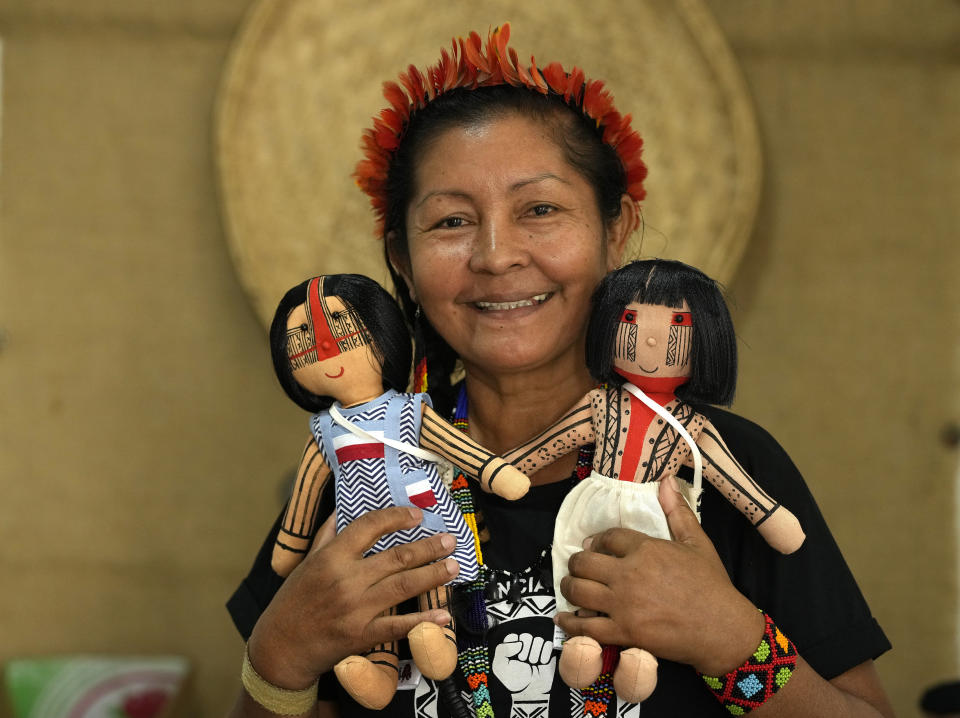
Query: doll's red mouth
(335,376)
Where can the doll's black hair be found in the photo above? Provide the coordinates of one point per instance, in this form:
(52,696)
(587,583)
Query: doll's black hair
(713,352)
(380,315)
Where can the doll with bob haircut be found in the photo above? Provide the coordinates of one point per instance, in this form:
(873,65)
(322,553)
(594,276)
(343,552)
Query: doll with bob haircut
(341,350)
(713,347)
(659,337)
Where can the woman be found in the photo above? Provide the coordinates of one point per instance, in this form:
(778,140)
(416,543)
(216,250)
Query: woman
(505,194)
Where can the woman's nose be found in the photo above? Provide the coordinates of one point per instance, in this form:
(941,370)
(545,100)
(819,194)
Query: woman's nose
(499,247)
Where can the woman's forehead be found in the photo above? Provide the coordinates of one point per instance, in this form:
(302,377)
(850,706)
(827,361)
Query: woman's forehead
(515,146)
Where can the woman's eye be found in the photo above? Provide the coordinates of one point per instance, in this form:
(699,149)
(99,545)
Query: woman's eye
(450,223)
(542,210)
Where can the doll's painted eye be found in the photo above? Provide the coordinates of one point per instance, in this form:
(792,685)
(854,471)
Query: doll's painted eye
(682,319)
(303,327)
(629,316)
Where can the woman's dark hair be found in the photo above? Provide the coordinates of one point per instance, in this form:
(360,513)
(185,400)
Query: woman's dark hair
(713,352)
(575,133)
(380,315)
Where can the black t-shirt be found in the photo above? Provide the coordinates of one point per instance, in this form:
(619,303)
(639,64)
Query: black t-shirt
(811,595)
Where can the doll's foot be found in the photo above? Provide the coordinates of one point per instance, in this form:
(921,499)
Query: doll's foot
(434,650)
(636,675)
(581,661)
(782,531)
(370,684)
(505,480)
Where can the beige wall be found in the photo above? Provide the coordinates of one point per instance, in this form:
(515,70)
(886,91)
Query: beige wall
(143,444)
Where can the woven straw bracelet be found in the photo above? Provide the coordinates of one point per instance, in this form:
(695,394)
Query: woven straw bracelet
(760,677)
(281,701)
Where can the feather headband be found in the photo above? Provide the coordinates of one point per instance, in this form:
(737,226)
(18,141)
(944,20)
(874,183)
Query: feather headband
(470,65)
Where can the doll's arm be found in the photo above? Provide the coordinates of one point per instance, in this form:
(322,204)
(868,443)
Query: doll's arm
(300,520)
(778,526)
(494,474)
(571,431)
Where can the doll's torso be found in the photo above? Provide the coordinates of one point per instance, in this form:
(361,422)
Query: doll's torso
(633,443)
(369,475)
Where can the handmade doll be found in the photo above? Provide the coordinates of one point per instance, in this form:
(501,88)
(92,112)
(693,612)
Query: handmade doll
(659,335)
(341,350)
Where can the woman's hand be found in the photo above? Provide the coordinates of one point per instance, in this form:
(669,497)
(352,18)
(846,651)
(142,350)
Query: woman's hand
(330,606)
(673,598)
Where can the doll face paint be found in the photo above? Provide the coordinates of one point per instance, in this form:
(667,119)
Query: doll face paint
(654,340)
(330,328)
(330,350)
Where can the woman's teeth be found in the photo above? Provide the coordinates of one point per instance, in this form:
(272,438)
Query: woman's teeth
(502,306)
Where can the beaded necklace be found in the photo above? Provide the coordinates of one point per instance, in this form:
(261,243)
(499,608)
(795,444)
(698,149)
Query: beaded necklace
(473,656)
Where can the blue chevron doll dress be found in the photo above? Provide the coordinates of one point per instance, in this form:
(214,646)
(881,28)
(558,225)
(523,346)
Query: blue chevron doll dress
(369,474)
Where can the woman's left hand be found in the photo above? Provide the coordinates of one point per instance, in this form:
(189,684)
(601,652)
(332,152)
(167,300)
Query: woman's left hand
(672,598)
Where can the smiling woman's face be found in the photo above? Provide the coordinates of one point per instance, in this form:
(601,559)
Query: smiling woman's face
(506,244)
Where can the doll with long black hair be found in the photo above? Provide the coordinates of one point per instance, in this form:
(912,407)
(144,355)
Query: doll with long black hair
(341,350)
(660,336)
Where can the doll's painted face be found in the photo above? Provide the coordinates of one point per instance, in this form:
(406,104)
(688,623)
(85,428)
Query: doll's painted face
(654,340)
(329,349)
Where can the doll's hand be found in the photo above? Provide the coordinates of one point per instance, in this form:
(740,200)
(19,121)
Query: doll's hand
(672,598)
(782,531)
(504,480)
(330,605)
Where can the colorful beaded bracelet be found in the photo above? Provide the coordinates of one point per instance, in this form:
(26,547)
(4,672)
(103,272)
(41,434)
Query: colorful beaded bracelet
(760,677)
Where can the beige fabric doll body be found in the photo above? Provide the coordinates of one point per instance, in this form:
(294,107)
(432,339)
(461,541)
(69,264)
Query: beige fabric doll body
(650,336)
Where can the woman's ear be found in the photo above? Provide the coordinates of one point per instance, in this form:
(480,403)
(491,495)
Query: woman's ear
(400,261)
(620,229)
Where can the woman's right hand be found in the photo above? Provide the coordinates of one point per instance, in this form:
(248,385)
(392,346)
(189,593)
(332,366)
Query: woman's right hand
(330,606)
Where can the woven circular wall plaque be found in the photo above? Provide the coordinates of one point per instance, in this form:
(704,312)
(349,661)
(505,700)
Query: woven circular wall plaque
(304,79)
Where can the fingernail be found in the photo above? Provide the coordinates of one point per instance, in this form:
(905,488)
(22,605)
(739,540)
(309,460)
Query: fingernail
(672,481)
(448,541)
(414,513)
(444,617)
(453,568)
(587,543)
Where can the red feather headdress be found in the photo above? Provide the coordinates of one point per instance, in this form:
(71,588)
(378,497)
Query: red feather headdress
(472,65)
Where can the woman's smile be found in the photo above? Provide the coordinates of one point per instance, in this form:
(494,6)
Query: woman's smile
(510,304)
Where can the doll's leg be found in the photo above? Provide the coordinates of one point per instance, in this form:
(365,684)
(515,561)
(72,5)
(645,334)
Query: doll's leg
(581,661)
(636,675)
(433,647)
(371,679)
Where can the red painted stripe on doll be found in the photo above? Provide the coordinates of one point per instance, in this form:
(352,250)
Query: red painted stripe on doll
(323,340)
